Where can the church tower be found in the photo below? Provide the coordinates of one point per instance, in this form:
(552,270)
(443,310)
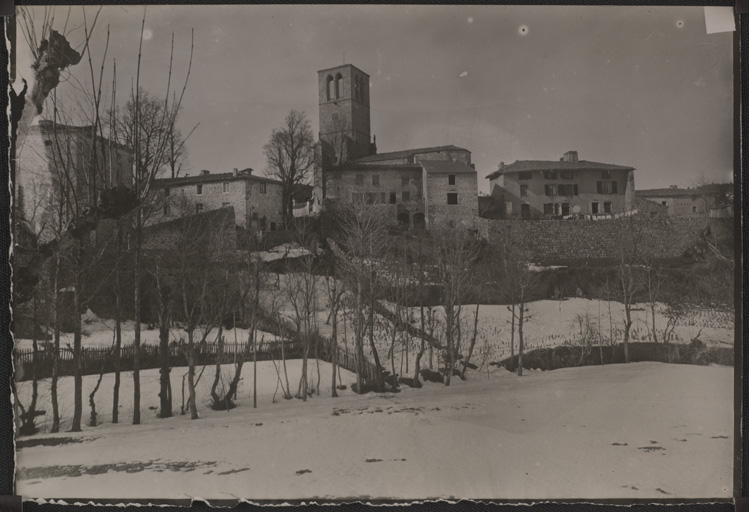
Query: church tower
(344,114)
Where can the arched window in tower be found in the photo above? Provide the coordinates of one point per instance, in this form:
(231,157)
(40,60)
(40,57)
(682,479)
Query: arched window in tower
(356,88)
(329,87)
(338,85)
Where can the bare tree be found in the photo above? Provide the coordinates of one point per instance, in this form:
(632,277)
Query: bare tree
(362,237)
(456,253)
(290,156)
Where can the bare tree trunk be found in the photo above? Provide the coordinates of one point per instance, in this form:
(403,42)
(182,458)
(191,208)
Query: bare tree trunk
(117,331)
(165,384)
(473,343)
(136,338)
(217,400)
(520,337)
(334,349)
(56,350)
(512,332)
(191,401)
(77,348)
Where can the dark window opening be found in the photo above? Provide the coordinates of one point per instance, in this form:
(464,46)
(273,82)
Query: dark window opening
(198,207)
(272,226)
(565,208)
(694,209)
(550,175)
(199,189)
(605,175)
(47,142)
(329,87)
(166,192)
(664,203)
(225,187)
(338,84)
(393,198)
(550,190)
(405,196)
(225,205)
(369,197)
(548,208)
(567,175)
(452,198)
(263,189)
(525,175)
(405,181)
(525,211)
(607,207)
(594,207)
(375,180)
(523,190)
(451,179)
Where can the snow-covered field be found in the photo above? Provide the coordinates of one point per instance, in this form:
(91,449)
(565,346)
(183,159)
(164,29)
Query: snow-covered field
(643,430)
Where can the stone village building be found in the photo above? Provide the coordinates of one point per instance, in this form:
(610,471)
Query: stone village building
(433,187)
(569,187)
(55,157)
(256,200)
(692,202)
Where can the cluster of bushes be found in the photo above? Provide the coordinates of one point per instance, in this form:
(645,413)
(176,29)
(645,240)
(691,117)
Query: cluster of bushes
(570,356)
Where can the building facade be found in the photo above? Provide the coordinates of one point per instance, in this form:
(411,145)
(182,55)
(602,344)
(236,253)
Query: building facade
(708,200)
(64,169)
(433,187)
(256,200)
(569,187)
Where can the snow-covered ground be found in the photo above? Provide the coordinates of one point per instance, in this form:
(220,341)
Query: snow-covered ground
(548,323)
(98,332)
(643,430)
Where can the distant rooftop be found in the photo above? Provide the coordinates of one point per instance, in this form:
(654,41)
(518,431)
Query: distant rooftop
(208,177)
(446,166)
(394,155)
(674,191)
(568,162)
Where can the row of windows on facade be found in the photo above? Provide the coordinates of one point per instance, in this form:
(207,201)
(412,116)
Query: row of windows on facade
(405,180)
(225,186)
(199,208)
(333,86)
(602,187)
(382,197)
(564,208)
(554,175)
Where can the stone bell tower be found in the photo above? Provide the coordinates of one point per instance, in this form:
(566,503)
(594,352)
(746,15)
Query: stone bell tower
(344,113)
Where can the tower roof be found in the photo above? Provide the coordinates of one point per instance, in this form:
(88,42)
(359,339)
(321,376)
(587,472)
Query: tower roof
(342,66)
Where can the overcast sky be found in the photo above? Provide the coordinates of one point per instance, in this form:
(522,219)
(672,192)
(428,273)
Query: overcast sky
(639,86)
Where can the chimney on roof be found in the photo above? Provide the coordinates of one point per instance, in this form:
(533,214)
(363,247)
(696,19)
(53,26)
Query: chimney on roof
(204,172)
(501,166)
(570,156)
(235,172)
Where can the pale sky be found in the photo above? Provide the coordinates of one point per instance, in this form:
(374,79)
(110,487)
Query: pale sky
(639,86)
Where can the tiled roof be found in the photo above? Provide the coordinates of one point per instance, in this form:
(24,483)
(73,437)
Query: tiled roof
(555,165)
(394,155)
(680,192)
(446,166)
(211,178)
(378,167)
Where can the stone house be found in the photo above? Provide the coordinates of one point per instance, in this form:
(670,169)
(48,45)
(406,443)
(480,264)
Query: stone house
(564,188)
(256,200)
(58,157)
(711,200)
(432,187)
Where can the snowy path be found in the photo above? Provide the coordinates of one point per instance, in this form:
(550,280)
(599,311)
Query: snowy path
(618,431)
